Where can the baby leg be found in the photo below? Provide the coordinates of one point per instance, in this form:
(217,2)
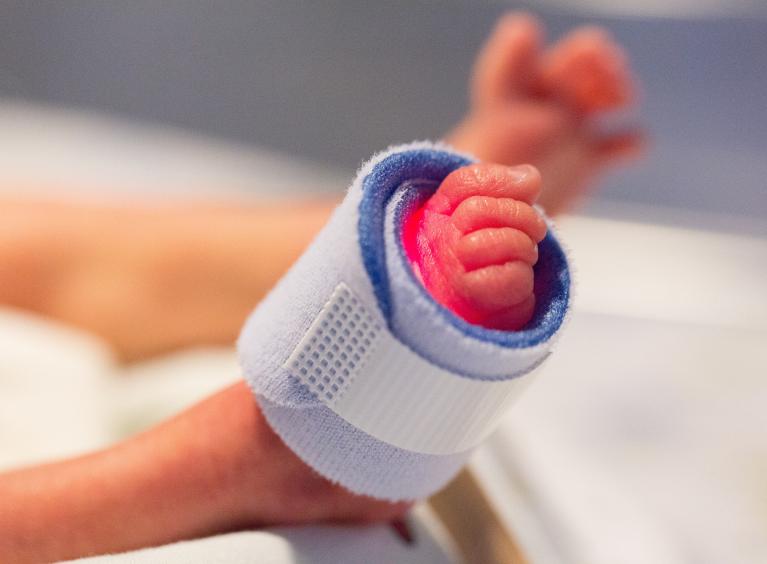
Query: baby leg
(353,365)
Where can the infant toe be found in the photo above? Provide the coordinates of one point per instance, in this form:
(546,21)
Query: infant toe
(483,179)
(497,287)
(490,246)
(589,71)
(481,212)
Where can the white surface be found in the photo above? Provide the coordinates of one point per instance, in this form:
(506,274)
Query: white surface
(645,435)
(679,427)
(52,384)
(49,150)
(684,275)
(623,447)
(306,545)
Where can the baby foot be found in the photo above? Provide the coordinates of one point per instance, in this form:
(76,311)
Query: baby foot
(537,105)
(473,244)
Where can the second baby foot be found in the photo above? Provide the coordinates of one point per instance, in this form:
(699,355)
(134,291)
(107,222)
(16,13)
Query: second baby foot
(473,244)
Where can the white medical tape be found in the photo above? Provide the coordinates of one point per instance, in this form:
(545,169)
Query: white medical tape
(350,360)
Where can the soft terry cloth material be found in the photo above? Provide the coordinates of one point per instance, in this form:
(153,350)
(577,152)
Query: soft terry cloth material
(360,250)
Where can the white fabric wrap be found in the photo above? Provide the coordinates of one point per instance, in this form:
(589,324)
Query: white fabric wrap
(401,369)
(361,371)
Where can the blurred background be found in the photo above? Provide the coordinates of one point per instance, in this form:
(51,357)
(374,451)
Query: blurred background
(335,81)
(649,429)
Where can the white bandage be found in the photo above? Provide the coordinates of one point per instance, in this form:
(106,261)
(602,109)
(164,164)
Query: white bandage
(360,371)
(365,375)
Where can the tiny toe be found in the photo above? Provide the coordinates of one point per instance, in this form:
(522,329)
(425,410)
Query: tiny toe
(521,182)
(618,146)
(497,287)
(480,212)
(508,59)
(588,70)
(512,318)
(486,247)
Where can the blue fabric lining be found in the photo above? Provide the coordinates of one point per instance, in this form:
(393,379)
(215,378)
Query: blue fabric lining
(377,188)
(424,169)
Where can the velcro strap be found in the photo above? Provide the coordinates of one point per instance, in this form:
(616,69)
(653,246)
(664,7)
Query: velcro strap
(351,361)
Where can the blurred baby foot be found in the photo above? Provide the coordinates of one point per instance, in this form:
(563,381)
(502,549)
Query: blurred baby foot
(473,244)
(535,105)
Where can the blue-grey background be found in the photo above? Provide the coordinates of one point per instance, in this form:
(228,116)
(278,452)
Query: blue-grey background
(335,81)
